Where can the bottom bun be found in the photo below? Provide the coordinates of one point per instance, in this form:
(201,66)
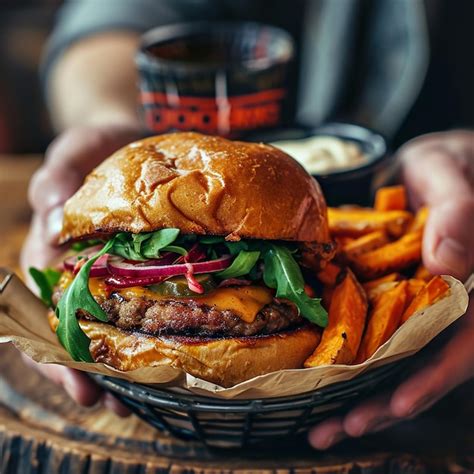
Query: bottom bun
(223,361)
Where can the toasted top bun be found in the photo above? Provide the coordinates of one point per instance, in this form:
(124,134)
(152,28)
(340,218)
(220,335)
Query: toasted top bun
(201,185)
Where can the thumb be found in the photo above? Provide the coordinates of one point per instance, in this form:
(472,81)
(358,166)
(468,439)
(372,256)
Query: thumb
(438,172)
(448,243)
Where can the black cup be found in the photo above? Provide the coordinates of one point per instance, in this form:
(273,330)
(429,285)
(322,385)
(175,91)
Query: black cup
(216,78)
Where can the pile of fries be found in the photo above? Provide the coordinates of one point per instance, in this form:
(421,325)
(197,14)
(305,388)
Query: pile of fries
(376,281)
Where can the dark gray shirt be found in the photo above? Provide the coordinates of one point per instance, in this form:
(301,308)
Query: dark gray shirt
(359,60)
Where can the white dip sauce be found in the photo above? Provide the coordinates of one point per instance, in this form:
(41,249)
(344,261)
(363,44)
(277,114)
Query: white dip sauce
(324,154)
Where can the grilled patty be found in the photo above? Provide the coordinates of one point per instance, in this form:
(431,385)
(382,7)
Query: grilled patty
(172,316)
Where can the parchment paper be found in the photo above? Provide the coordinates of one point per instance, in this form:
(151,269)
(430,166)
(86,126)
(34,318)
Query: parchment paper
(23,322)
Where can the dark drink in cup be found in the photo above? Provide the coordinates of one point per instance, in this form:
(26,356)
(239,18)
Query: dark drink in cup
(217,78)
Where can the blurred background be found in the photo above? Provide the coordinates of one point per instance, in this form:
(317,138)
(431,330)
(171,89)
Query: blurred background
(446,100)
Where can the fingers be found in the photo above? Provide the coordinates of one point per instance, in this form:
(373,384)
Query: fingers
(448,369)
(327,434)
(79,386)
(448,241)
(76,384)
(434,175)
(70,157)
(113,404)
(51,187)
(451,367)
(372,415)
(36,252)
(438,171)
(83,148)
(438,167)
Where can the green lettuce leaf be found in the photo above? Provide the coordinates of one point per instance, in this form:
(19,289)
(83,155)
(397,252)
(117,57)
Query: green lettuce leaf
(236,247)
(45,280)
(78,296)
(176,249)
(158,241)
(242,264)
(283,273)
(84,244)
(124,247)
(211,239)
(141,247)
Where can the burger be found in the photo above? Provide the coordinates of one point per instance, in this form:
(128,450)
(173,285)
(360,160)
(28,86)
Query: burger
(193,252)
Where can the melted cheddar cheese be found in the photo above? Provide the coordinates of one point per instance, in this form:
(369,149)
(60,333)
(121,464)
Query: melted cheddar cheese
(245,301)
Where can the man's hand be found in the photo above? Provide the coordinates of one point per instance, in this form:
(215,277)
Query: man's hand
(68,160)
(438,171)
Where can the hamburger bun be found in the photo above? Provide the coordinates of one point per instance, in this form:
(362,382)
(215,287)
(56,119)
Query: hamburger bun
(200,185)
(223,361)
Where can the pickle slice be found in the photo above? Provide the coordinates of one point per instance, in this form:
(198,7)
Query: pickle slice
(178,286)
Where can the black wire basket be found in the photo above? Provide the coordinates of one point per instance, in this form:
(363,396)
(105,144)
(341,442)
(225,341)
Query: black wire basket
(238,423)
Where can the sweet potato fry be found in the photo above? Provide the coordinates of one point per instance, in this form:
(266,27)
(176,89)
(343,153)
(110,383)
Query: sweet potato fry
(418,223)
(383,320)
(342,240)
(392,257)
(422,273)
(374,293)
(347,314)
(326,297)
(368,285)
(328,275)
(364,244)
(414,286)
(355,222)
(433,291)
(391,198)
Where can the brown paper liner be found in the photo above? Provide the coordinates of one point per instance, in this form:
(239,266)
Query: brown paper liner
(23,322)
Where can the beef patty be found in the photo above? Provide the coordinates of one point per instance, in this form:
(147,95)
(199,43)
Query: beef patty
(172,316)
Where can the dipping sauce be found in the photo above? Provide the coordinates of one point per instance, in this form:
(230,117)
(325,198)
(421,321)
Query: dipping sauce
(324,154)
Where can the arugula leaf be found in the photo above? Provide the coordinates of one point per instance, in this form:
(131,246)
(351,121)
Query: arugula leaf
(141,247)
(255,273)
(236,247)
(283,273)
(242,264)
(137,241)
(157,241)
(123,246)
(84,244)
(211,239)
(176,249)
(211,253)
(78,296)
(52,276)
(45,280)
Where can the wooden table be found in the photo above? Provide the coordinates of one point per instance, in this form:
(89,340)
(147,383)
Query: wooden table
(42,431)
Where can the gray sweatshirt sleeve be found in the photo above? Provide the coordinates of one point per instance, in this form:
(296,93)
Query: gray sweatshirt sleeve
(81,18)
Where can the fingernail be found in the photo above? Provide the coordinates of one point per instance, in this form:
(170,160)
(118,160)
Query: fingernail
(109,402)
(383,425)
(54,223)
(69,384)
(336,438)
(115,405)
(420,406)
(377,424)
(453,255)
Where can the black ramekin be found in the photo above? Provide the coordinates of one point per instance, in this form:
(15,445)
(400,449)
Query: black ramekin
(348,186)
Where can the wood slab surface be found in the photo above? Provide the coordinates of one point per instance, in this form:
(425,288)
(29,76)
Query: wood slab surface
(43,432)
